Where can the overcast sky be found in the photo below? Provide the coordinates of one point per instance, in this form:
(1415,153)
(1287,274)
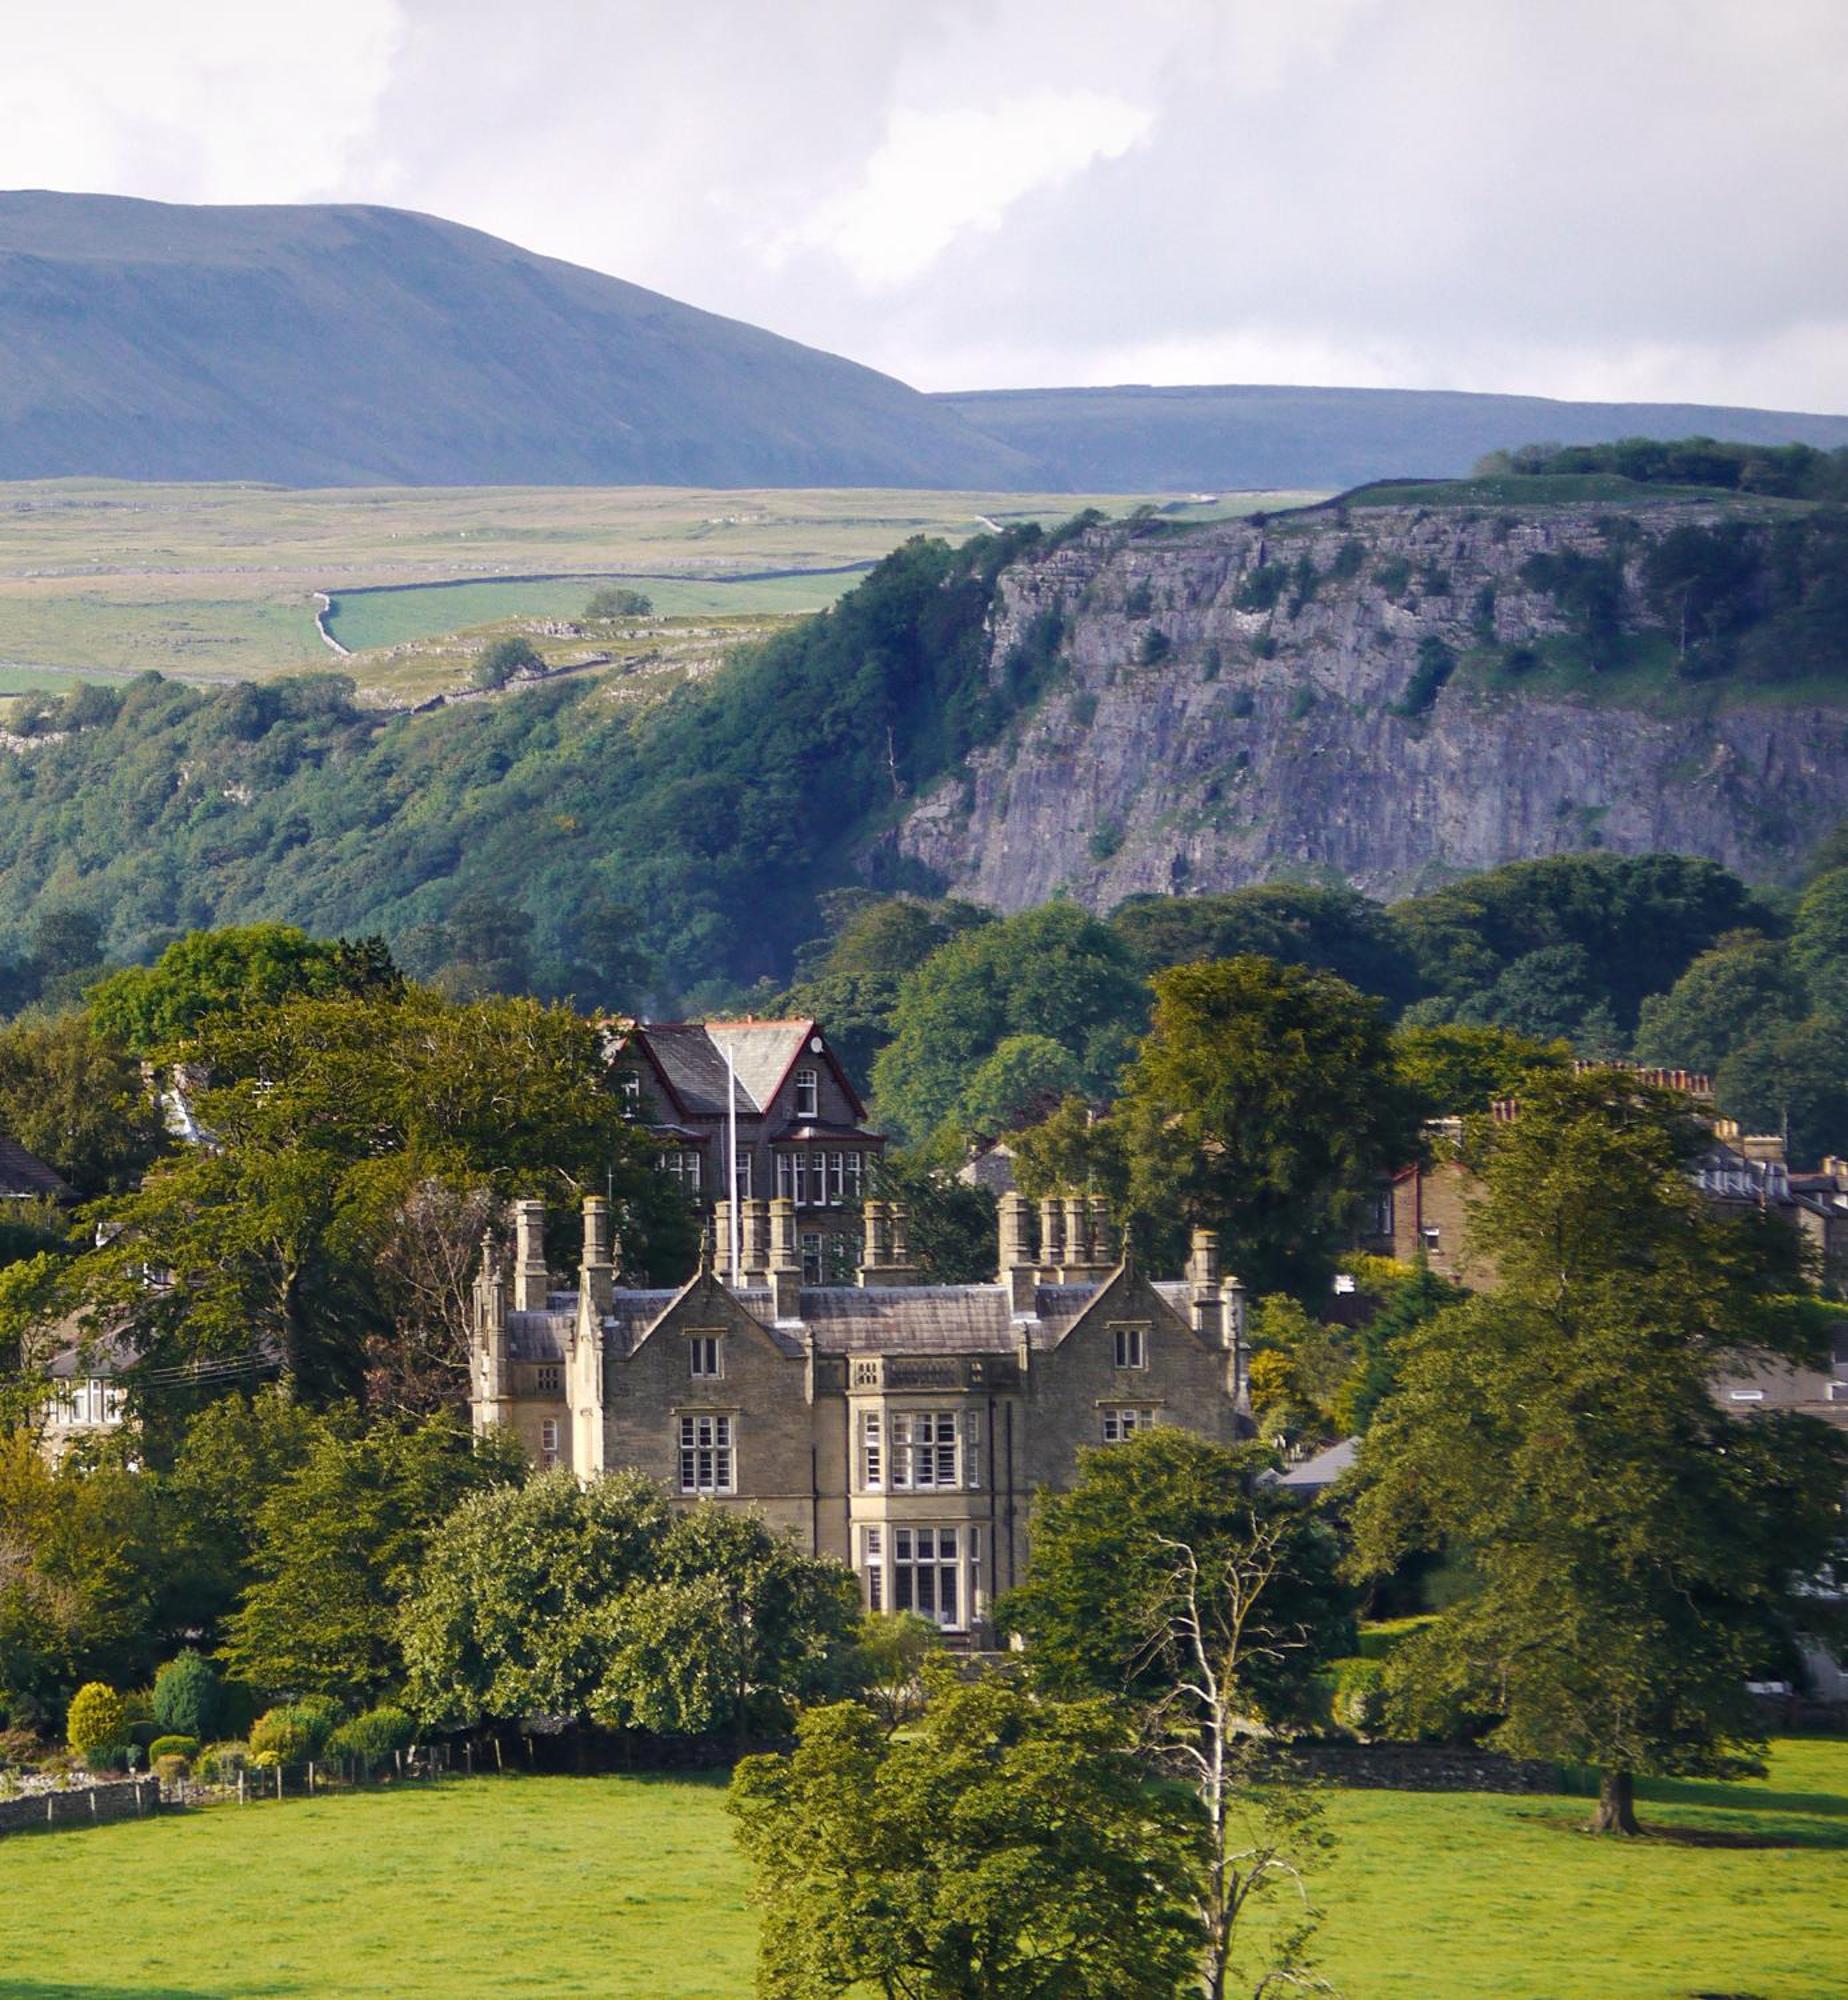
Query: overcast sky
(1601,198)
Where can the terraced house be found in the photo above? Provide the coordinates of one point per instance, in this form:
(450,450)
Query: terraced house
(900,1427)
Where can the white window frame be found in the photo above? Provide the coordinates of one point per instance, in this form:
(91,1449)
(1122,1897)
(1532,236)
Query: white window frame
(1124,1420)
(872,1452)
(706,1357)
(1130,1345)
(808,1094)
(682,1164)
(548,1441)
(930,1562)
(872,1567)
(707,1444)
(928,1451)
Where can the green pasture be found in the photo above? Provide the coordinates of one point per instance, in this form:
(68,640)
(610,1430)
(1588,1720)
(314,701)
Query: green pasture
(218,581)
(365,619)
(630,1888)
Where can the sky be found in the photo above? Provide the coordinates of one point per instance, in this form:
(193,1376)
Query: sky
(1612,199)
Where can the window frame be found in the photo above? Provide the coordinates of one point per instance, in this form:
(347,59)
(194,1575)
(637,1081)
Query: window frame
(1130,1345)
(807,1087)
(706,1445)
(701,1347)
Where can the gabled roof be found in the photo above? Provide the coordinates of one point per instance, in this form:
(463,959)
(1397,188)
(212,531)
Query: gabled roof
(24,1174)
(690,1058)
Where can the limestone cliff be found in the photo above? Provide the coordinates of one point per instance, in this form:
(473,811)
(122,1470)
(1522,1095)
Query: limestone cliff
(1235,703)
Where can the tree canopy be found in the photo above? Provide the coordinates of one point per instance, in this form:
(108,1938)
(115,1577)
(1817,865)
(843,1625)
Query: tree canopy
(1637,1554)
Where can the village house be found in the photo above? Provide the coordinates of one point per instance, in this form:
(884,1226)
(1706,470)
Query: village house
(900,1427)
(800,1124)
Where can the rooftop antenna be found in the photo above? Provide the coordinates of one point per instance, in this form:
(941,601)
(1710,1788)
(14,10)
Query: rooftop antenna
(731,1159)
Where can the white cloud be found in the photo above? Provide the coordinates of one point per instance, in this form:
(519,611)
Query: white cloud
(938,175)
(192,100)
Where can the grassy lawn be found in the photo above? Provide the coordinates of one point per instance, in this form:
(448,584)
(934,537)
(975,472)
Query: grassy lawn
(630,1888)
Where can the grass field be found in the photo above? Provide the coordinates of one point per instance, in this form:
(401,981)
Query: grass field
(630,1888)
(215,582)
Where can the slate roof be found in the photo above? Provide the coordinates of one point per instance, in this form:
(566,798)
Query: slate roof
(23,1174)
(692,1056)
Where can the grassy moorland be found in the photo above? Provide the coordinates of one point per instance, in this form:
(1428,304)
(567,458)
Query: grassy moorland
(630,1888)
(103,577)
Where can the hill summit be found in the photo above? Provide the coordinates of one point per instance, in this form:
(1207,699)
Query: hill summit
(339,345)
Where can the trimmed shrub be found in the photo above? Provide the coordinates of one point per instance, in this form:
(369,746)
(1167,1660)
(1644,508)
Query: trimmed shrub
(188,1695)
(373,1738)
(183,1747)
(170,1770)
(296,1732)
(1359,1698)
(98,1721)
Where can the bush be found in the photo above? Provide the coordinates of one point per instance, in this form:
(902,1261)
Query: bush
(505,658)
(186,1748)
(1155,647)
(170,1769)
(188,1696)
(98,1721)
(613,602)
(20,1749)
(1359,1701)
(373,1737)
(295,1733)
(219,1763)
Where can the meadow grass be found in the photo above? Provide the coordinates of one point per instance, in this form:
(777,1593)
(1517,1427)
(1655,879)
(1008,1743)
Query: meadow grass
(218,581)
(631,1888)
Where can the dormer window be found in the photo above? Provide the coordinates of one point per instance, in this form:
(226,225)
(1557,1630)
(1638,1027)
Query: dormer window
(808,1093)
(629,1090)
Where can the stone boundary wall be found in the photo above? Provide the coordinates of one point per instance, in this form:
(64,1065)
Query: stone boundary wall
(1421,1767)
(136,1798)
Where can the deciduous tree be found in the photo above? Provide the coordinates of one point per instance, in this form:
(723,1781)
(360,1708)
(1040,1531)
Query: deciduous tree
(1638,1553)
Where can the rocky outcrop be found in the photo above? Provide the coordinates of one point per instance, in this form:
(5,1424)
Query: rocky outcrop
(1253,700)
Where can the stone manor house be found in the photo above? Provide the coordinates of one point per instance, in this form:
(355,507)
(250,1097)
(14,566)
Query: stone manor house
(900,1427)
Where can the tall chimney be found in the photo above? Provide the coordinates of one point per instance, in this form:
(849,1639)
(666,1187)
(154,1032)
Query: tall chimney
(1106,1245)
(531,1281)
(1077,1258)
(1205,1307)
(598,1278)
(756,1248)
(1051,1238)
(1015,1269)
(785,1261)
(492,1385)
(877,1240)
(721,1240)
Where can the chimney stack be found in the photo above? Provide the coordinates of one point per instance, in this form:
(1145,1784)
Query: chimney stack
(1106,1243)
(887,1259)
(1051,1238)
(785,1261)
(1205,1306)
(531,1281)
(599,1272)
(1016,1270)
(754,1249)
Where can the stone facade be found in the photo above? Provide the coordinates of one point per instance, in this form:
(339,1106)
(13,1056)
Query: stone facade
(902,1428)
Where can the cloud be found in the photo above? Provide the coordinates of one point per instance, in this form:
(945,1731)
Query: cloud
(193,100)
(939,174)
(1569,197)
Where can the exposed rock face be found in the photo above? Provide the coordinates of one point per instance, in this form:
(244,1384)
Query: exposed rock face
(1244,744)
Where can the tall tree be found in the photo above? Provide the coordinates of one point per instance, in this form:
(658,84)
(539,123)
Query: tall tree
(1005,1848)
(76,1098)
(1171,1577)
(1639,1553)
(1263,1096)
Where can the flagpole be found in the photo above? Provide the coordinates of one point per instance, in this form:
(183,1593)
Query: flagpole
(731,1160)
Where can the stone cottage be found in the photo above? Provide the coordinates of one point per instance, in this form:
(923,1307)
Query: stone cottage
(900,1427)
